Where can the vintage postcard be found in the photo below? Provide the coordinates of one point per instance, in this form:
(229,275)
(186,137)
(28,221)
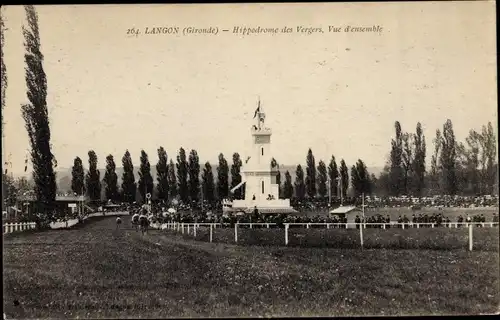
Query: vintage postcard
(249,160)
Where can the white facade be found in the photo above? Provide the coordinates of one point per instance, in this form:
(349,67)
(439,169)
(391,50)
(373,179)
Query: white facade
(261,190)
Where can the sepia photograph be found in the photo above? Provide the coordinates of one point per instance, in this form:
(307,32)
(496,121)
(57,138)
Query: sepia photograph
(250,160)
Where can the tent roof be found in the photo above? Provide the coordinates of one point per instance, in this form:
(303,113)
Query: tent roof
(344,209)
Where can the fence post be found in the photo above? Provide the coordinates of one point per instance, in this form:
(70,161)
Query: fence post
(482,224)
(188,229)
(250,225)
(403,225)
(211,227)
(268,225)
(194,227)
(236,232)
(491,224)
(182,228)
(433,225)
(307,227)
(286,234)
(470,237)
(328,226)
(383,226)
(361,236)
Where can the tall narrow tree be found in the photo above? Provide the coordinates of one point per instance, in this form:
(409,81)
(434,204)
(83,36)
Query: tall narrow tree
(419,161)
(78,177)
(333,174)
(146,183)
(310,175)
(236,176)
(222,178)
(407,163)
(322,179)
(488,158)
(448,159)
(276,168)
(35,115)
(344,178)
(435,174)
(172,180)
(208,184)
(111,179)
(182,176)
(162,175)
(194,176)
(396,172)
(93,178)
(360,179)
(300,186)
(288,186)
(129,186)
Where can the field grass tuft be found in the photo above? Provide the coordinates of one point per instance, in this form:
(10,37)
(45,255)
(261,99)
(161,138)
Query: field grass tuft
(98,272)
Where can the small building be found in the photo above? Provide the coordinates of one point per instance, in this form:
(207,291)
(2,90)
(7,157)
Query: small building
(67,204)
(350,212)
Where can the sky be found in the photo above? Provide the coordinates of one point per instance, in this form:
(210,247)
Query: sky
(336,93)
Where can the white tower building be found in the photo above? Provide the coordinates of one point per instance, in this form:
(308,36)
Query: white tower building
(261,189)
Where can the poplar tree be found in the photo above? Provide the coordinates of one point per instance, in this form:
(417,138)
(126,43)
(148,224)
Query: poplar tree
(194,176)
(208,184)
(93,180)
(182,176)
(419,161)
(111,179)
(146,183)
(162,175)
(129,187)
(222,178)
(35,115)
(172,180)
(288,186)
(333,174)
(396,172)
(310,175)
(78,177)
(448,159)
(344,177)
(322,179)
(300,187)
(236,176)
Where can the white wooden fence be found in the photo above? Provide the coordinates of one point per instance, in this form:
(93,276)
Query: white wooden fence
(15,227)
(191,228)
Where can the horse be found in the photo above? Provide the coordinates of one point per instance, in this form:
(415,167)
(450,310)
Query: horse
(135,221)
(144,223)
(118,222)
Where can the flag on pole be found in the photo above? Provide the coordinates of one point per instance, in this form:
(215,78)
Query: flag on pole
(257,110)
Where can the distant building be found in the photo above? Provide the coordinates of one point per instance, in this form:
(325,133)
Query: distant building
(64,204)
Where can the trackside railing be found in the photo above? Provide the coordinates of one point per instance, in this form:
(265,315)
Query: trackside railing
(191,228)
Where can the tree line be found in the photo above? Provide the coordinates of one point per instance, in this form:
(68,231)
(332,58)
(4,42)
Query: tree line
(456,168)
(186,181)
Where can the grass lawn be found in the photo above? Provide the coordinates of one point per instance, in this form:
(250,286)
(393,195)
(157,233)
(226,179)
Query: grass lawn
(98,272)
(439,238)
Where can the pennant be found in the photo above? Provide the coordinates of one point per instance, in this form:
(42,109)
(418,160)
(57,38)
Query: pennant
(256,111)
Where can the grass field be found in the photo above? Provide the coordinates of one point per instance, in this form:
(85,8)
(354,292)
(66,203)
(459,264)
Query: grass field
(95,271)
(484,239)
